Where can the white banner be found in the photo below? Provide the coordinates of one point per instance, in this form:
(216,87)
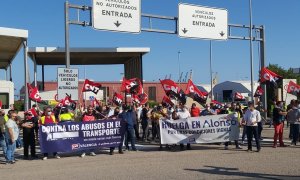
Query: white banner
(205,129)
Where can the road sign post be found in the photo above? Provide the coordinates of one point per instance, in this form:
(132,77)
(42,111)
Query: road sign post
(67,83)
(202,22)
(120,16)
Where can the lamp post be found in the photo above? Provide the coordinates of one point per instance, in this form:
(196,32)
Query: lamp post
(251,51)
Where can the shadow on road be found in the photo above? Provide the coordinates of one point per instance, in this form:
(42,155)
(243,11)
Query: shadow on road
(224,171)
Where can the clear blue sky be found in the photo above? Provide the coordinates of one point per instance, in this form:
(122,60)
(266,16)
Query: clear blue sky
(45,22)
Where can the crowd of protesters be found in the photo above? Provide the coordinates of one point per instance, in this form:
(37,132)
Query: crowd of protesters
(136,116)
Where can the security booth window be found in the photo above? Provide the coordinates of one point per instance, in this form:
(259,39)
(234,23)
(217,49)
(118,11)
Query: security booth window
(4,98)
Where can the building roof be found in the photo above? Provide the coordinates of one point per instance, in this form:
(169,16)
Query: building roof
(10,43)
(85,56)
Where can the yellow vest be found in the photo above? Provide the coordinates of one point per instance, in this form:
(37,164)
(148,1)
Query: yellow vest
(43,119)
(66,117)
(6,118)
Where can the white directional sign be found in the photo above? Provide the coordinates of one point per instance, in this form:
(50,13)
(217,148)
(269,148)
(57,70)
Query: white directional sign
(67,82)
(202,22)
(117,15)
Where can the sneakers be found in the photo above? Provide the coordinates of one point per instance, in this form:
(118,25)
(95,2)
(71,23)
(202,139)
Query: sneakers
(45,158)
(82,155)
(121,152)
(92,154)
(57,157)
(239,147)
(111,153)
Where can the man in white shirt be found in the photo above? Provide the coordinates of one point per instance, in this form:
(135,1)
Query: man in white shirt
(12,134)
(183,113)
(250,119)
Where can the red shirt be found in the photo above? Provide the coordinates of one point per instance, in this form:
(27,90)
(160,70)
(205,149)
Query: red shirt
(87,118)
(48,120)
(195,112)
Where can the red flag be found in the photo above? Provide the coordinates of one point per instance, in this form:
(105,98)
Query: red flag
(293,88)
(132,86)
(117,99)
(97,102)
(91,86)
(268,76)
(239,97)
(173,90)
(167,101)
(193,92)
(140,99)
(33,93)
(259,92)
(0,104)
(67,101)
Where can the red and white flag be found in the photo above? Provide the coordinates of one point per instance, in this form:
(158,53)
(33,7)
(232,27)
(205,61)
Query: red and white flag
(239,97)
(167,100)
(173,90)
(33,93)
(67,101)
(117,99)
(293,88)
(259,92)
(193,92)
(0,104)
(91,86)
(268,76)
(132,86)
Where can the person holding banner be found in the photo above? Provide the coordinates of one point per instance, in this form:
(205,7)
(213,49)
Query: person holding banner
(129,117)
(195,111)
(234,113)
(88,117)
(183,113)
(48,118)
(251,118)
(115,116)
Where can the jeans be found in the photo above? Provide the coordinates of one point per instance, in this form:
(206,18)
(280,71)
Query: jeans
(145,128)
(3,144)
(155,130)
(11,148)
(295,132)
(130,137)
(136,130)
(19,142)
(252,130)
(260,128)
(278,133)
(244,133)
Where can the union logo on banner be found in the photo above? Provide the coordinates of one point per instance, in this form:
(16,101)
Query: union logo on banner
(75,146)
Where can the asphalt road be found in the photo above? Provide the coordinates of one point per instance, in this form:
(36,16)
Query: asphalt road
(203,162)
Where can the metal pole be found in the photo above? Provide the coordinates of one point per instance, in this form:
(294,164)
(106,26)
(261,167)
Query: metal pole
(43,77)
(178,57)
(263,64)
(67,48)
(26,99)
(10,73)
(251,52)
(35,72)
(211,72)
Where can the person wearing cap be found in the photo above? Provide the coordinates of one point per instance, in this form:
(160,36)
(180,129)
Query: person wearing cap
(66,115)
(28,125)
(195,111)
(250,119)
(48,118)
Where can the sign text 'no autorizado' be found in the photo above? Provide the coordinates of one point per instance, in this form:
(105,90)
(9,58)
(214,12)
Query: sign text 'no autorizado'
(202,22)
(117,15)
(67,83)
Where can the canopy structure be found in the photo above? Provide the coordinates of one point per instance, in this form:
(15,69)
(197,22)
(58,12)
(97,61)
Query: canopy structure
(131,58)
(11,41)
